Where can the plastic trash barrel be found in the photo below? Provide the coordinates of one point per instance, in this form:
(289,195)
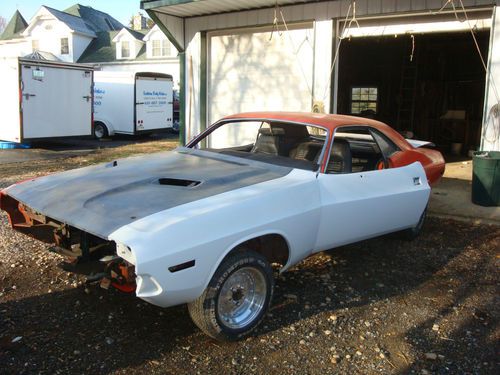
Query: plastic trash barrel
(486,178)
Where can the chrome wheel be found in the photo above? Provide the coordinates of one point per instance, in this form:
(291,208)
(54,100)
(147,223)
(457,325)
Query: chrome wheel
(242,298)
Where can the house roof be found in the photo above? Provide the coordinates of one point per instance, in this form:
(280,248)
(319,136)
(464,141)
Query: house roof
(75,23)
(15,27)
(103,49)
(137,34)
(95,19)
(42,55)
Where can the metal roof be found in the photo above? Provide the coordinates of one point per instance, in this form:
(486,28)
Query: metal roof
(191,8)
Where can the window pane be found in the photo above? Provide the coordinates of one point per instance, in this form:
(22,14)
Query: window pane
(165,47)
(356,90)
(355,108)
(125,49)
(156,48)
(64,46)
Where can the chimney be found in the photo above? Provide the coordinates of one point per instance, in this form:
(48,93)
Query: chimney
(139,22)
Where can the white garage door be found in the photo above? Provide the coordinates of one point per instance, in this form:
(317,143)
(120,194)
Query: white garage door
(249,71)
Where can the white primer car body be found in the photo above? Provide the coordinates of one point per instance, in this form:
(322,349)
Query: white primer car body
(313,212)
(184,220)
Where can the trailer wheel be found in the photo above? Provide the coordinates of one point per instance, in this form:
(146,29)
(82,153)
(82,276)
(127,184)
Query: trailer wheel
(236,299)
(100,130)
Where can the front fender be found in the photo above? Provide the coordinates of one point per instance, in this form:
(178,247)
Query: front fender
(207,230)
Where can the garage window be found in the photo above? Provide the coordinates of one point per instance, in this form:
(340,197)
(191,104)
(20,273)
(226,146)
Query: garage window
(364,99)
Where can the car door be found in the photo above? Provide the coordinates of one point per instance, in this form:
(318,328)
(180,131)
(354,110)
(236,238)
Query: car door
(360,205)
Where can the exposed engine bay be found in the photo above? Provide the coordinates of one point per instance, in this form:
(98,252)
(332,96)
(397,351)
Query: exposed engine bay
(84,253)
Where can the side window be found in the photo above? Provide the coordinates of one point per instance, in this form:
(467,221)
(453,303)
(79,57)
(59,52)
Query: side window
(354,150)
(387,147)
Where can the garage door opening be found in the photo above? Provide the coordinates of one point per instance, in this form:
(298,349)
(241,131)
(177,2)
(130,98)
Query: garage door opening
(431,85)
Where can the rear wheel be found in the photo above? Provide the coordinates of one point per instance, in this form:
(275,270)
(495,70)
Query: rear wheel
(237,297)
(100,130)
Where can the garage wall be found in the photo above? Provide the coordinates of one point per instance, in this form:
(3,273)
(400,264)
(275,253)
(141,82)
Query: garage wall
(490,137)
(256,71)
(190,34)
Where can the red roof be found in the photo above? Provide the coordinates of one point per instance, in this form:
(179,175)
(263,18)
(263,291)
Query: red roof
(328,121)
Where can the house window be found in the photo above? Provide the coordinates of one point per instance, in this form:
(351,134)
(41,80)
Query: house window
(125,49)
(364,99)
(64,46)
(161,48)
(34,45)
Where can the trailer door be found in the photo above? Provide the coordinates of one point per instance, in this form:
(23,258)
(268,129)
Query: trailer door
(153,103)
(56,101)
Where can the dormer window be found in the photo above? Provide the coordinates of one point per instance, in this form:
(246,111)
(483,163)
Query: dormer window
(125,49)
(160,48)
(64,46)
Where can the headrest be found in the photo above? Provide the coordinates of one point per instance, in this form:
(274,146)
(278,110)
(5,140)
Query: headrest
(270,132)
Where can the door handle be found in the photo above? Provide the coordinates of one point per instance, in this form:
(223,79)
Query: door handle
(417,181)
(88,97)
(27,96)
(139,103)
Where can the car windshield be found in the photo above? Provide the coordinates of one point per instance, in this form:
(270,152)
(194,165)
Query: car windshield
(286,144)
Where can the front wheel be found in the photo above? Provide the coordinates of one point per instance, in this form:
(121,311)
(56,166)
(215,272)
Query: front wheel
(237,297)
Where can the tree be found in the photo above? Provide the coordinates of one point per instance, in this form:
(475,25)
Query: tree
(3,23)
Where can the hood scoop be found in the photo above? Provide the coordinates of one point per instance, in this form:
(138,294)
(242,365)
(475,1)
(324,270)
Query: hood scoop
(178,182)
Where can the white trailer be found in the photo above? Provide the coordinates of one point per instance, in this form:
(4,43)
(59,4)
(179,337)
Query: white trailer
(44,99)
(132,103)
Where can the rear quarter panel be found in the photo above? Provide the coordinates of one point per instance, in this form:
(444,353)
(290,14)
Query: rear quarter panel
(431,160)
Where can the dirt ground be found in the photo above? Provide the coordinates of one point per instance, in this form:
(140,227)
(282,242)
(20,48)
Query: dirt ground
(379,306)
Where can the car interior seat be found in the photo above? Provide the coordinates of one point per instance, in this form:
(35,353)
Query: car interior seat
(340,157)
(269,141)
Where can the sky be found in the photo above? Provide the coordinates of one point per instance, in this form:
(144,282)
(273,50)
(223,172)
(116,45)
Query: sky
(122,10)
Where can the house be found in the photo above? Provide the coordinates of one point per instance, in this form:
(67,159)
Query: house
(429,68)
(81,34)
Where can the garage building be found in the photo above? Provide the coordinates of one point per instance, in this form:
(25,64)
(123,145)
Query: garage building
(426,67)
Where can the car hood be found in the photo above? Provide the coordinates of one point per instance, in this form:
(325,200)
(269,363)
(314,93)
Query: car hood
(100,199)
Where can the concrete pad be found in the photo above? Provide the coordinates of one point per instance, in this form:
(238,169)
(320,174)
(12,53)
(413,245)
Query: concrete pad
(451,197)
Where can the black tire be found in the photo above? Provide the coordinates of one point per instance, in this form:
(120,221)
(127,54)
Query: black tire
(411,233)
(100,130)
(207,310)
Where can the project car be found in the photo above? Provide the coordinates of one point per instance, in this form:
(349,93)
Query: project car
(204,224)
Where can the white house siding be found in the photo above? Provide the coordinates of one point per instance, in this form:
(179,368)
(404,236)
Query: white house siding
(80,43)
(327,11)
(14,48)
(48,33)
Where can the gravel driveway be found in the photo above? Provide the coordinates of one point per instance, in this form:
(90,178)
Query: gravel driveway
(380,306)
